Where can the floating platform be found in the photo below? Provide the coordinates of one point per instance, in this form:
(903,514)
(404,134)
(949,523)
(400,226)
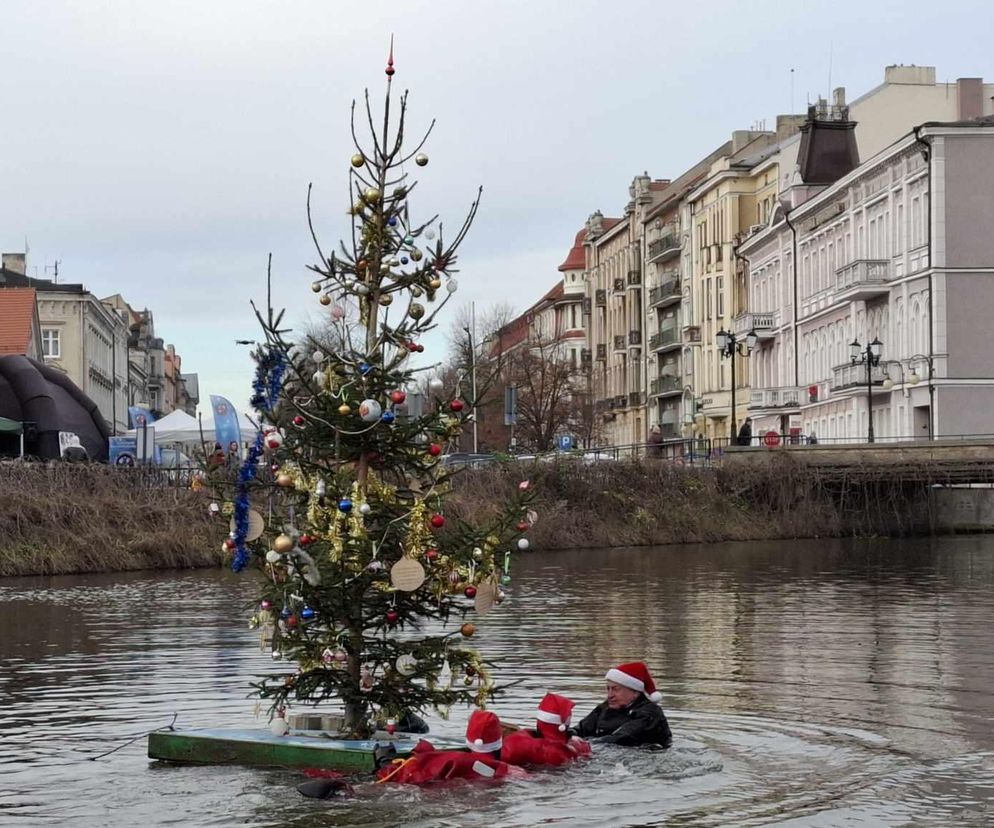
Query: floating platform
(260,748)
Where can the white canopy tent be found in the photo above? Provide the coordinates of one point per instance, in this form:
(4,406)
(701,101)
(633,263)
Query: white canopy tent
(179,427)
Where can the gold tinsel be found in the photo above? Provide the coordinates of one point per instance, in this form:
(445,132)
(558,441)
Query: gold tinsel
(418,537)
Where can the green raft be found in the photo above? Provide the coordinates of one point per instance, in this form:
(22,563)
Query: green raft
(260,748)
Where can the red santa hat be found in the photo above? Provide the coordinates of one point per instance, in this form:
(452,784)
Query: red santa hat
(635,676)
(484,733)
(555,710)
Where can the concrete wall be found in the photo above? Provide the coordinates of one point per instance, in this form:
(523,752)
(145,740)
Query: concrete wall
(964,409)
(969,207)
(969,303)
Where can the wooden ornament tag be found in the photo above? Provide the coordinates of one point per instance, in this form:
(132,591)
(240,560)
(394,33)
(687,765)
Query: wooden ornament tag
(486,597)
(407,574)
(256,525)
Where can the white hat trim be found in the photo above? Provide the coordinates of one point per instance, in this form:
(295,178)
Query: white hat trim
(624,680)
(488,747)
(548,718)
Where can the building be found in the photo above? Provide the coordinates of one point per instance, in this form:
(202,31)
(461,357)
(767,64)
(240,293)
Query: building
(896,250)
(20,328)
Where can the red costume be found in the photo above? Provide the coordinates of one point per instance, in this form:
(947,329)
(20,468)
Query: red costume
(548,744)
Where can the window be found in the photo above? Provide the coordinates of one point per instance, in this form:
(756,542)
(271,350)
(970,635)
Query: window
(50,345)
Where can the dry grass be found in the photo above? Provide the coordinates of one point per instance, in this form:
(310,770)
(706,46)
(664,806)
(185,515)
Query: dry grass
(64,518)
(638,503)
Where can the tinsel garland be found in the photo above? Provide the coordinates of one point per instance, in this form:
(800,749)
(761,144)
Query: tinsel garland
(265,391)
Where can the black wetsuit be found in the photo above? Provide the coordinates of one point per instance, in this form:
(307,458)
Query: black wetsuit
(641,723)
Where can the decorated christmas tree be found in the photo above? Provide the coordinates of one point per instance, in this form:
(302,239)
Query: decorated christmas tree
(368,590)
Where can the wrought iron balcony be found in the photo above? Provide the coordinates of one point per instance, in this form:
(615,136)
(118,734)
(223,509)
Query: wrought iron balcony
(634,398)
(665,293)
(664,247)
(667,337)
(666,384)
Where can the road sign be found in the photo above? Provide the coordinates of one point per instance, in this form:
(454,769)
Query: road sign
(565,442)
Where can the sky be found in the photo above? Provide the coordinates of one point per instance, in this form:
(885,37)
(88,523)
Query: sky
(163,150)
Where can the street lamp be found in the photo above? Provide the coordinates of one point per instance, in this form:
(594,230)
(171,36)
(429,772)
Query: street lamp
(729,346)
(472,363)
(870,357)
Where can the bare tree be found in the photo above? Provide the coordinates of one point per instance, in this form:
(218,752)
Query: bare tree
(550,394)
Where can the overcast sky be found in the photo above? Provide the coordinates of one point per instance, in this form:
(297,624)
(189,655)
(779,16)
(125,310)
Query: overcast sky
(163,149)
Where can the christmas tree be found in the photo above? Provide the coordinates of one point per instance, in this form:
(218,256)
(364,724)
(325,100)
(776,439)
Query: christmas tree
(367,587)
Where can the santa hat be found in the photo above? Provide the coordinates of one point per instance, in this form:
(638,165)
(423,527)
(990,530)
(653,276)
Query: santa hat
(555,710)
(484,733)
(635,676)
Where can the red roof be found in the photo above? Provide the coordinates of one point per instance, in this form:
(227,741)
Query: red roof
(576,259)
(17,310)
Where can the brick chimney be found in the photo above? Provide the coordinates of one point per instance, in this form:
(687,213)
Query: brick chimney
(969,98)
(828,148)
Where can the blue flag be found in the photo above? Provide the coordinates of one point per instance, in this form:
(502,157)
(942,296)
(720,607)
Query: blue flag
(226,427)
(140,416)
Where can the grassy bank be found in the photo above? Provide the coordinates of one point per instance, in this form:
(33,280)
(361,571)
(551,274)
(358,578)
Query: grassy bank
(637,503)
(68,518)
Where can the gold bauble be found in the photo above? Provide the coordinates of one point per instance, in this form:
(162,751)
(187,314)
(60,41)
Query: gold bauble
(360,265)
(400,192)
(283,544)
(358,207)
(416,255)
(371,194)
(325,300)
(284,480)
(416,311)
(434,283)
(430,296)
(421,159)
(467,629)
(316,287)
(416,292)
(344,409)
(385,299)
(358,160)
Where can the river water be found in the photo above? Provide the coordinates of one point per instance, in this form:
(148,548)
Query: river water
(810,683)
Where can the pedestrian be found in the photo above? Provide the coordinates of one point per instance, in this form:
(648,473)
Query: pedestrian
(745,433)
(550,743)
(655,441)
(631,714)
(234,458)
(812,438)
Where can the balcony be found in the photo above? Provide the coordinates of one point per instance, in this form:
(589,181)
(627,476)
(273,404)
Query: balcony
(665,293)
(664,248)
(854,376)
(619,342)
(664,385)
(666,338)
(863,279)
(634,338)
(634,278)
(601,351)
(600,298)
(764,324)
(778,398)
(619,285)
(635,398)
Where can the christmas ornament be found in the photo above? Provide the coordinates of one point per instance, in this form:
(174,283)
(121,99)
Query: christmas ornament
(284,480)
(291,622)
(365,368)
(337,312)
(318,357)
(417,255)
(435,384)
(434,283)
(452,286)
(316,287)
(298,421)
(397,397)
(406,664)
(214,508)
(431,555)
(283,544)
(407,575)
(344,409)
(389,417)
(277,655)
(523,526)
(437,521)
(305,540)
(470,591)
(307,613)
(327,656)
(392,616)
(486,597)
(374,566)
(456,405)
(523,544)
(256,525)
(318,378)
(345,505)
(429,234)
(434,449)
(445,675)
(421,159)
(371,194)
(279,726)
(385,299)
(477,553)
(273,557)
(274,440)
(392,221)
(325,299)
(365,508)
(416,311)
(391,726)
(370,410)
(358,160)
(404,260)
(341,656)
(455,578)
(501,595)
(467,629)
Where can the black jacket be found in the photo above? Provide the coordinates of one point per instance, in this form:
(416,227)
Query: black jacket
(641,723)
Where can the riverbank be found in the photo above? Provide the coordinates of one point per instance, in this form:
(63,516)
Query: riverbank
(65,518)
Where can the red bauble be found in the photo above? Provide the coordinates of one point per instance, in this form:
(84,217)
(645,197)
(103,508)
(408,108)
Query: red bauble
(420,349)
(431,554)
(456,405)
(523,526)
(469,592)
(393,616)
(298,420)
(413,347)
(291,621)
(305,540)
(397,397)
(229,544)
(434,449)
(391,728)
(437,521)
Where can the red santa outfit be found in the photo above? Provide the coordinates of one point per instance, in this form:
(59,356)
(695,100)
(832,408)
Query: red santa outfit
(484,739)
(549,743)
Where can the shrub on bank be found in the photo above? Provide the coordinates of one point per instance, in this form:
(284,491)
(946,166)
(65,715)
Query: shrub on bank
(64,518)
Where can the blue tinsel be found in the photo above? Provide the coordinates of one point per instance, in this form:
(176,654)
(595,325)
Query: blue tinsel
(266,388)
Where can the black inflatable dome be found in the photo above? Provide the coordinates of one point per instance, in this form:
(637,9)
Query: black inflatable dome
(34,393)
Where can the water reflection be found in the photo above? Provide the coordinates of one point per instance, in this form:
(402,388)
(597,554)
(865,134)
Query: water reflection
(808,683)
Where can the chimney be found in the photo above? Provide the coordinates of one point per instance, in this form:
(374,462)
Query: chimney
(969,98)
(828,148)
(16,263)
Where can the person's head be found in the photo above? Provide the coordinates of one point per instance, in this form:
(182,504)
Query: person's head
(232,446)
(553,716)
(217,447)
(655,429)
(484,733)
(627,682)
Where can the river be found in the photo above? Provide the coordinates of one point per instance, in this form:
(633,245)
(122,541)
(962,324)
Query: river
(808,683)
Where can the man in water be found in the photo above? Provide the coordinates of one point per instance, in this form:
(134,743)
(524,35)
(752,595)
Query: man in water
(631,714)
(550,743)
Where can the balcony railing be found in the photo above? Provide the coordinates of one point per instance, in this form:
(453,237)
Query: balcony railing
(664,385)
(869,273)
(601,351)
(668,291)
(853,376)
(667,336)
(634,278)
(777,397)
(664,247)
(634,398)
(634,338)
(764,324)
(619,342)
(600,297)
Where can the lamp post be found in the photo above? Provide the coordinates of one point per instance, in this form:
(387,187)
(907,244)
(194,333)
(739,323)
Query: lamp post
(472,369)
(729,346)
(870,357)
(914,379)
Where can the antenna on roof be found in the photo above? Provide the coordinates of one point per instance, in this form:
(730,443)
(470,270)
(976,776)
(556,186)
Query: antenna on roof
(829,67)
(791,110)
(55,271)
